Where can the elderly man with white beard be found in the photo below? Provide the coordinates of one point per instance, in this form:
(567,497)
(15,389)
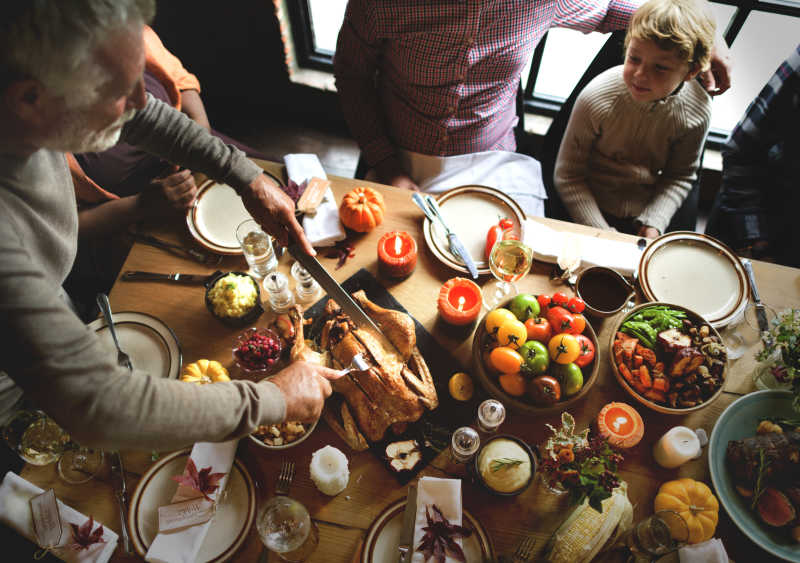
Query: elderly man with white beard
(71,80)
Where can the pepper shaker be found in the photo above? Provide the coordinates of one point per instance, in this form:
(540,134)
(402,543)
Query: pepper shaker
(281,298)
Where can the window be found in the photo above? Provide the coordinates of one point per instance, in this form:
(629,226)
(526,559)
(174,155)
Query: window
(564,54)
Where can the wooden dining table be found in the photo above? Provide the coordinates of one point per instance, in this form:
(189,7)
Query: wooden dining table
(344,520)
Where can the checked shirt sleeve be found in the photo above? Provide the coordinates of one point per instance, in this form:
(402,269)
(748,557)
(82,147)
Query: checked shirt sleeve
(355,65)
(595,15)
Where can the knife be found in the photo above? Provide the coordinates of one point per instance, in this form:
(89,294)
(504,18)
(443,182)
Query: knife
(190,252)
(761,313)
(405,545)
(456,246)
(154,276)
(121,492)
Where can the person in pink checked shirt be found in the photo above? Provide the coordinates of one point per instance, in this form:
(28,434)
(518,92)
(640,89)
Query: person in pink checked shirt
(428,87)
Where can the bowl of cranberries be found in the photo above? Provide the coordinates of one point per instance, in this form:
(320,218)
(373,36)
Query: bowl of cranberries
(257,351)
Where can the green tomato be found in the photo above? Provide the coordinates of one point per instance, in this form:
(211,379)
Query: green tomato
(570,376)
(535,356)
(525,306)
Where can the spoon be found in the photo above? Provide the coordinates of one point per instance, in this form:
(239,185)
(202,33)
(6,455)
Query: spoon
(123,359)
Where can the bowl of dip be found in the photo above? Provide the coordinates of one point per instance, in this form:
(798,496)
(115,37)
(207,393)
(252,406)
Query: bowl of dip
(605,291)
(234,298)
(505,465)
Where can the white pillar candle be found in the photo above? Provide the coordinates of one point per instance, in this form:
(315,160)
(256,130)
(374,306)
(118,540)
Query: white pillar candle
(329,470)
(676,447)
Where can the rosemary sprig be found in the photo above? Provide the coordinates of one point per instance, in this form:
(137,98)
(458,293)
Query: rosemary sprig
(504,463)
(763,463)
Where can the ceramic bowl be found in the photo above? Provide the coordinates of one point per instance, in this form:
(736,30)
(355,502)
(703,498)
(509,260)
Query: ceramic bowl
(309,429)
(488,379)
(247,318)
(695,318)
(476,465)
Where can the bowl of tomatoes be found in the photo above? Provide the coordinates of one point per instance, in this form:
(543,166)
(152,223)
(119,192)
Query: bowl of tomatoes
(536,353)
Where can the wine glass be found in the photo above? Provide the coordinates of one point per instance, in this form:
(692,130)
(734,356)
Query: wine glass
(743,331)
(286,528)
(509,261)
(79,464)
(658,534)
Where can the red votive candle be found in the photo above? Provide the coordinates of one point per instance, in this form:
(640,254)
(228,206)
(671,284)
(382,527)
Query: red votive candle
(397,254)
(459,301)
(620,424)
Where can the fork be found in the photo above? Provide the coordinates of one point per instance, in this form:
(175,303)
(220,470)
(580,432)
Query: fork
(358,363)
(524,549)
(284,478)
(123,359)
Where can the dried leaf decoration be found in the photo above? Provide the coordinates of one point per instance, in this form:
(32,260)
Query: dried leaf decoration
(440,537)
(203,482)
(83,537)
(342,250)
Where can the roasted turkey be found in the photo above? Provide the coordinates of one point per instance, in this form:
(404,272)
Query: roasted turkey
(397,388)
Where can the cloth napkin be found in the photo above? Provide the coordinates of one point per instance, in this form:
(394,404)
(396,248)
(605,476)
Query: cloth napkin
(15,512)
(446,495)
(323,227)
(711,551)
(548,244)
(183,545)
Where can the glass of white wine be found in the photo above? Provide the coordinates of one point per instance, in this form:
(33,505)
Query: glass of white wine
(509,261)
(35,437)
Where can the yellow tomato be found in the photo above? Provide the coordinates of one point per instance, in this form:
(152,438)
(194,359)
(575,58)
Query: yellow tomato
(496,318)
(564,348)
(512,334)
(505,359)
(513,384)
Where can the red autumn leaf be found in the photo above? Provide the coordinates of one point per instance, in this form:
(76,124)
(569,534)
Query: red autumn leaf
(83,537)
(440,536)
(203,482)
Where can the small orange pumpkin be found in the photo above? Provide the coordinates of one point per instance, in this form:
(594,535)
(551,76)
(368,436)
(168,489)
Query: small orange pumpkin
(362,209)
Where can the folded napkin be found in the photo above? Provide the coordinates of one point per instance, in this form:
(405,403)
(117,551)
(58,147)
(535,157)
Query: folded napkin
(323,227)
(446,495)
(183,545)
(711,551)
(548,245)
(15,512)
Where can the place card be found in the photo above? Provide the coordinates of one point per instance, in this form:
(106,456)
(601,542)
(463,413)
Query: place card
(46,519)
(186,513)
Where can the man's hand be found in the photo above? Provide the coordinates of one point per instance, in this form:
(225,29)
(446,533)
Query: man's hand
(647,231)
(274,211)
(178,188)
(717,79)
(305,387)
(388,171)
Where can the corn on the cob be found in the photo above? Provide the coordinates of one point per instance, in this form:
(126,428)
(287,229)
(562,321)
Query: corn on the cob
(585,531)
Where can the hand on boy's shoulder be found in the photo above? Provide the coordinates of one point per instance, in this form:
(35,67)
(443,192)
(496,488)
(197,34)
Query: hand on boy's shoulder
(717,79)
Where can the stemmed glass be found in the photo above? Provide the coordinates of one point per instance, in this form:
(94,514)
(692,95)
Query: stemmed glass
(286,528)
(657,535)
(509,261)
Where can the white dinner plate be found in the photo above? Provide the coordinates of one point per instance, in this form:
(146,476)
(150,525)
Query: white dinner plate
(696,271)
(383,537)
(216,213)
(232,521)
(470,211)
(151,344)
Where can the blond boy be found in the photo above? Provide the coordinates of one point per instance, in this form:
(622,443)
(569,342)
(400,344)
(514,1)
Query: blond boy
(632,147)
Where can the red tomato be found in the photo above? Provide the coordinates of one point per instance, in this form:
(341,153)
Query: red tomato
(506,223)
(576,305)
(544,301)
(495,233)
(560,299)
(560,319)
(587,351)
(538,329)
(578,323)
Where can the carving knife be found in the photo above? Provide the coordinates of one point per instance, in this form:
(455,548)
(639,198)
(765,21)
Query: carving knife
(178,278)
(456,246)
(761,313)
(405,545)
(121,492)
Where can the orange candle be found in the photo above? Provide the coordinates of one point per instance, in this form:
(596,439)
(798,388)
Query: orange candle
(621,425)
(459,301)
(397,254)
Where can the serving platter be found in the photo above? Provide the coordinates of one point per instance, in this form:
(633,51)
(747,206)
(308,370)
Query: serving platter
(470,211)
(737,422)
(696,271)
(150,343)
(234,516)
(216,213)
(383,537)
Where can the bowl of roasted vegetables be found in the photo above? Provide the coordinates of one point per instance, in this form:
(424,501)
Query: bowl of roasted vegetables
(668,358)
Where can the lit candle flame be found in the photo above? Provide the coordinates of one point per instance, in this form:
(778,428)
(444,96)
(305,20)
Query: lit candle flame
(619,422)
(398,245)
(461,301)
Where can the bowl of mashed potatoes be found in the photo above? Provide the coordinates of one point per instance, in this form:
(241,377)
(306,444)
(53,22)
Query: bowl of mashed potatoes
(505,465)
(234,298)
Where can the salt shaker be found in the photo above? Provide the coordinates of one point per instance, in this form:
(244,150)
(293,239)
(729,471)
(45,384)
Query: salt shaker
(281,298)
(464,444)
(307,287)
(491,414)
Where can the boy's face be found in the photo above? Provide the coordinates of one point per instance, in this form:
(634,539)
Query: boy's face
(652,73)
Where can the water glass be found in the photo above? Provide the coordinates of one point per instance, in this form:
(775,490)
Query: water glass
(657,535)
(743,331)
(257,248)
(286,528)
(491,414)
(464,444)
(79,464)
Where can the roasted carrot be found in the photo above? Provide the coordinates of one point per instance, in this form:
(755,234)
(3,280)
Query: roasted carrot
(660,384)
(644,376)
(637,360)
(625,372)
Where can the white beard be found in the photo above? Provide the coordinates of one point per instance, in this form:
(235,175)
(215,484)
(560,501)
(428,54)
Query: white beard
(72,135)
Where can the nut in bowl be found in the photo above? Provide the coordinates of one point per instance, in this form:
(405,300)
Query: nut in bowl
(234,298)
(536,353)
(257,352)
(668,358)
(282,436)
(505,465)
